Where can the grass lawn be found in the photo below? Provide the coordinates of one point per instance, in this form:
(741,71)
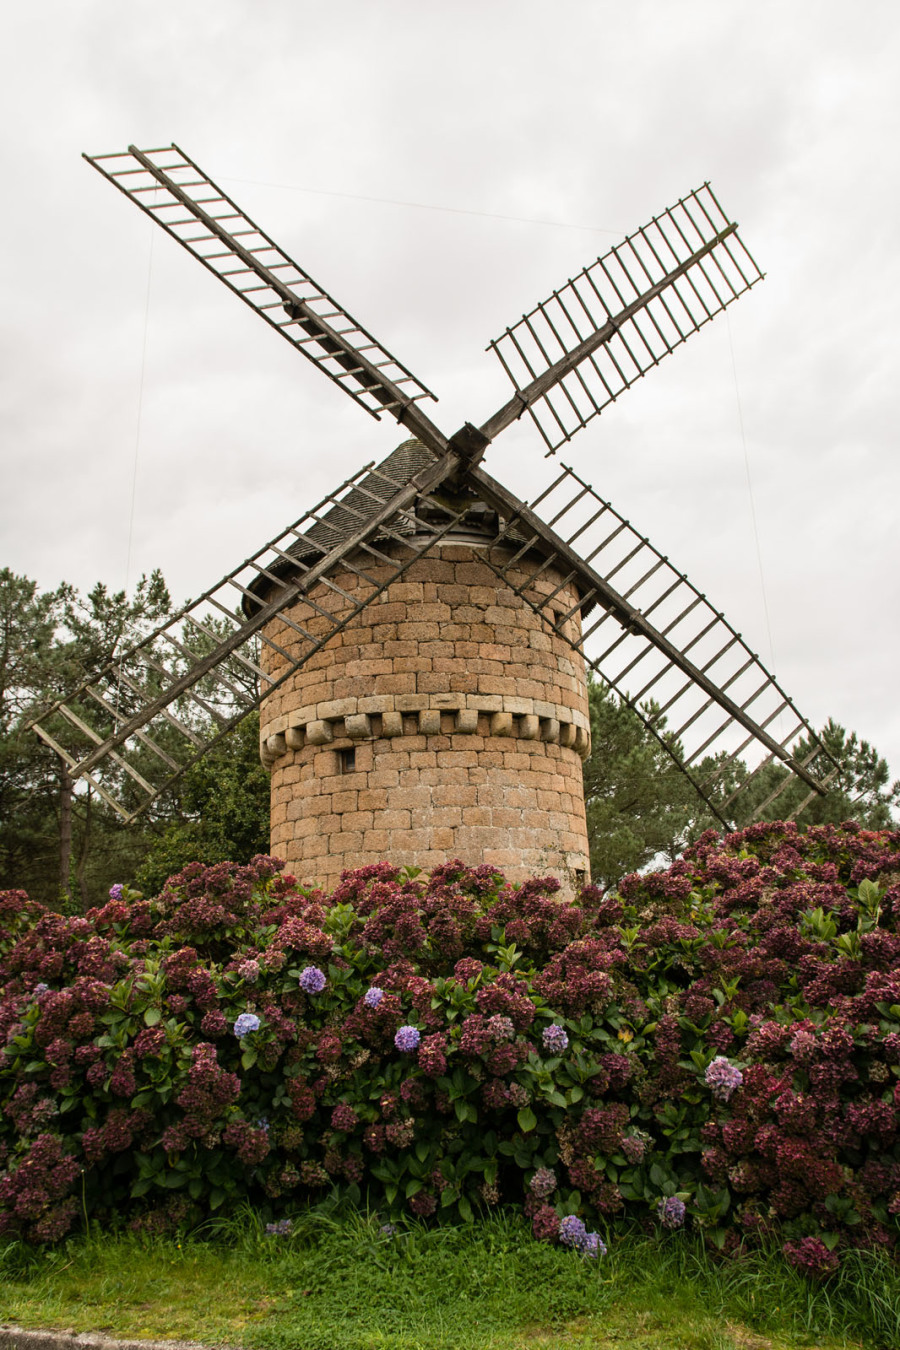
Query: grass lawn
(343,1285)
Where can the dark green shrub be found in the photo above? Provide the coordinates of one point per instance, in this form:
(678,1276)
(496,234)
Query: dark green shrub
(718,1043)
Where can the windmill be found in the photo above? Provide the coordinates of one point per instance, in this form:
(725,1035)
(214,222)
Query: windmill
(418,641)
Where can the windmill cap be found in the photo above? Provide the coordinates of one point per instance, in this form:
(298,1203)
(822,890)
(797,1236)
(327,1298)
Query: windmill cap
(344,519)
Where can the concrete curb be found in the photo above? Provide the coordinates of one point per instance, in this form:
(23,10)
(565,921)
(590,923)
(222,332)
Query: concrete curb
(17,1338)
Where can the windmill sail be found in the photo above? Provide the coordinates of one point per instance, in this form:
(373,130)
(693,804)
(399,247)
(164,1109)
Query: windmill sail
(654,638)
(574,353)
(648,632)
(176,193)
(132,729)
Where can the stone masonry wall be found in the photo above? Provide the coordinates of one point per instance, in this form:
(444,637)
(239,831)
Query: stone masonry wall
(445,721)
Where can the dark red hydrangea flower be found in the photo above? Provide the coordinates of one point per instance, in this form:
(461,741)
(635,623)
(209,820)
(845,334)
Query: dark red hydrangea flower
(422,1204)
(303,1099)
(467,969)
(545,1224)
(508,996)
(343,1117)
(82,1025)
(250,1143)
(329,1047)
(495,1094)
(33,1195)
(214,1023)
(93,1145)
(374,1138)
(432,1054)
(504,1059)
(123,1082)
(600,1129)
(150,1041)
(209,1090)
(812,1257)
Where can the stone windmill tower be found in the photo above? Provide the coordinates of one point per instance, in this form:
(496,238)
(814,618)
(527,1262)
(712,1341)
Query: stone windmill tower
(450,719)
(418,642)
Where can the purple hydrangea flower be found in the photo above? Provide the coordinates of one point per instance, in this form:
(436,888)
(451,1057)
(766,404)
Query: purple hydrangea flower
(634,1148)
(803,1046)
(555,1038)
(40,989)
(249,970)
(543,1183)
(594,1246)
(407,1038)
(280,1229)
(500,1028)
(373,996)
(312,980)
(671,1212)
(572,1232)
(723,1078)
(246,1023)
(115,892)
(388,1229)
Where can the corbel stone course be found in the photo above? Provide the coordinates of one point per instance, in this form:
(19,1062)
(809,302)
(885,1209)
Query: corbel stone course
(319,732)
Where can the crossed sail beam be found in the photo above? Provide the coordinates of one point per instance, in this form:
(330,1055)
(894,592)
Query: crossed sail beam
(125,744)
(655,638)
(708,675)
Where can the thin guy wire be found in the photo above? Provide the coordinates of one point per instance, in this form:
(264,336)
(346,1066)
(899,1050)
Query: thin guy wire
(759,561)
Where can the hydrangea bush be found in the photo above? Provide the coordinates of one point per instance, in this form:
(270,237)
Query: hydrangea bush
(715,1045)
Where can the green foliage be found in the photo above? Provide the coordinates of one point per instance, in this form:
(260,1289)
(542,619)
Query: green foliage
(28,791)
(639,804)
(58,839)
(221,810)
(642,809)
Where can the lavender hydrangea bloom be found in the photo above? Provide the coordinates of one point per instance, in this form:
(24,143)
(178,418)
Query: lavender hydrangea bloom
(115,892)
(593,1247)
(312,980)
(671,1212)
(723,1078)
(407,1038)
(572,1232)
(555,1038)
(372,997)
(246,1023)
(40,989)
(249,970)
(280,1229)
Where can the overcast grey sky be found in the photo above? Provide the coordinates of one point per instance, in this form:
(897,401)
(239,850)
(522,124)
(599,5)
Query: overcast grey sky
(440,167)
